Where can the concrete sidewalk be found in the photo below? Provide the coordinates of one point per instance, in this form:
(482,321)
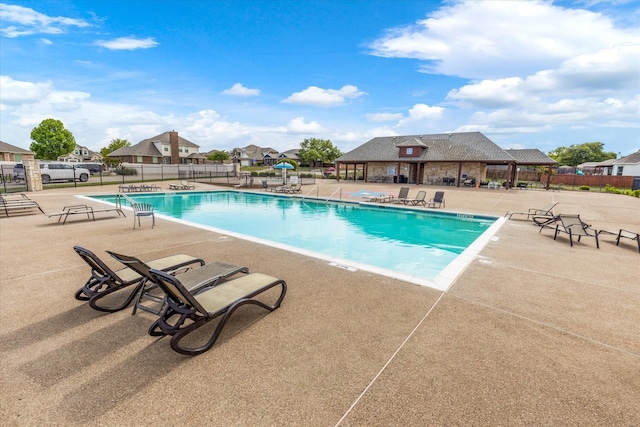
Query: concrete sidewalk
(533,332)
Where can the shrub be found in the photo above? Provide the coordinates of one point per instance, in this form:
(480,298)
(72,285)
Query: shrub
(584,188)
(121,170)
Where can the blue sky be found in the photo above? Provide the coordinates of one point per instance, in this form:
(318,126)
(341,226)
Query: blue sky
(225,74)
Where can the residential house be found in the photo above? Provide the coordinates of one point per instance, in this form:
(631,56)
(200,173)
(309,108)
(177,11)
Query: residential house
(434,159)
(81,154)
(254,155)
(166,148)
(627,165)
(11,153)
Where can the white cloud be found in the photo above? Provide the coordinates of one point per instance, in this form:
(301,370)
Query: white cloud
(421,114)
(19,92)
(24,21)
(298,125)
(127,43)
(319,97)
(239,90)
(485,39)
(384,117)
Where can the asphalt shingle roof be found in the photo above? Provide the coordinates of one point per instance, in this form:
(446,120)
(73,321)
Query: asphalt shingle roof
(8,148)
(531,156)
(147,148)
(459,147)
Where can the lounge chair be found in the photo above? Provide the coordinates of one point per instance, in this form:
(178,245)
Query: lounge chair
(90,211)
(193,280)
(623,234)
(376,198)
(187,186)
(186,312)
(104,281)
(419,200)
(19,203)
(573,226)
(295,189)
(402,196)
(438,199)
(547,210)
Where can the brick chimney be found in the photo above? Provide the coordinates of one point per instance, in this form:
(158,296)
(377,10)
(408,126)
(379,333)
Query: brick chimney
(173,142)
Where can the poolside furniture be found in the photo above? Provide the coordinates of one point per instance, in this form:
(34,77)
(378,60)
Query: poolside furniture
(194,280)
(295,189)
(402,196)
(376,198)
(574,226)
(104,281)
(182,186)
(143,209)
(90,211)
(547,210)
(470,182)
(21,204)
(623,234)
(493,185)
(545,221)
(419,199)
(186,312)
(438,199)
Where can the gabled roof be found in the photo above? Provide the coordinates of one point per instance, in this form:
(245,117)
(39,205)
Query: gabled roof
(164,138)
(530,156)
(632,159)
(8,148)
(143,148)
(458,147)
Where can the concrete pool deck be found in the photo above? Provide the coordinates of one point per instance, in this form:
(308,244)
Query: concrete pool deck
(532,332)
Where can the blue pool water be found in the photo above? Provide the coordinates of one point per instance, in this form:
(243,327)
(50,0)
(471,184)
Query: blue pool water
(416,242)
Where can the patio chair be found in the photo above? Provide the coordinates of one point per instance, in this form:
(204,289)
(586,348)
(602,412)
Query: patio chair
(573,226)
(402,196)
(187,186)
(22,203)
(623,234)
(104,281)
(295,189)
(419,200)
(547,210)
(193,280)
(186,313)
(438,199)
(143,209)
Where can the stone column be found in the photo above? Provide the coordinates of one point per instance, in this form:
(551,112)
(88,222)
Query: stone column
(32,175)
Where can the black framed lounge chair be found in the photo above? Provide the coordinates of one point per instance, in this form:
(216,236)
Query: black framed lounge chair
(403,194)
(623,234)
(419,199)
(186,312)
(104,281)
(193,280)
(547,210)
(574,226)
(438,199)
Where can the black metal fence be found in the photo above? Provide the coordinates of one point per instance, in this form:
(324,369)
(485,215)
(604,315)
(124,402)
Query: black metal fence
(131,174)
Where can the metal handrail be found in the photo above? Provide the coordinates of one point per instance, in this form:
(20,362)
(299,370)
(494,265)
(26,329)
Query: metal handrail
(317,188)
(338,189)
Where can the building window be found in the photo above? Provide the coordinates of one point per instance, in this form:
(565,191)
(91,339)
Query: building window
(409,150)
(186,149)
(138,159)
(166,149)
(620,168)
(155,160)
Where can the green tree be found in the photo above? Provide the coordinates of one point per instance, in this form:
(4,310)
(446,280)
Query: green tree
(219,156)
(314,151)
(581,153)
(115,144)
(51,140)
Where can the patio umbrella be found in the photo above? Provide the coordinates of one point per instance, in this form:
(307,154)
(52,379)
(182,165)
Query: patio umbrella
(284,166)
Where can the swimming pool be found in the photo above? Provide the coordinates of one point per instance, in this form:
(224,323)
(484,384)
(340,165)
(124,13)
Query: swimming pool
(411,244)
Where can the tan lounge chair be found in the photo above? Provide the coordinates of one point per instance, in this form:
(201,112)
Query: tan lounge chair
(547,210)
(193,280)
(573,226)
(104,281)
(419,200)
(21,204)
